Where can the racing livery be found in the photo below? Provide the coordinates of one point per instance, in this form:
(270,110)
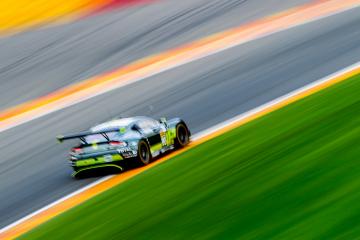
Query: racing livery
(135,140)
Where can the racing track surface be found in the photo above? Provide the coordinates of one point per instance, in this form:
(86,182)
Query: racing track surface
(47,59)
(33,169)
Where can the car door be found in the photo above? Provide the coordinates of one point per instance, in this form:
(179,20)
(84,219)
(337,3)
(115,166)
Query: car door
(153,131)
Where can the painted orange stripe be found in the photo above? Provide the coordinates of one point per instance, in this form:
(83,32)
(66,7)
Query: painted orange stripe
(118,179)
(147,66)
(22,14)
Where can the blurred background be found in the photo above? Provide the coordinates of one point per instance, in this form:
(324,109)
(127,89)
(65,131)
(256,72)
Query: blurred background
(48,45)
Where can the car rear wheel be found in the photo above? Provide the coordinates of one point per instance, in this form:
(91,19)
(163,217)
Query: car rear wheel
(182,136)
(144,154)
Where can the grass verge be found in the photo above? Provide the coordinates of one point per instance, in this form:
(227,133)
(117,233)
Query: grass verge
(293,173)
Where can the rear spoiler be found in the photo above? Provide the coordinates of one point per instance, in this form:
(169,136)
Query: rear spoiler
(82,135)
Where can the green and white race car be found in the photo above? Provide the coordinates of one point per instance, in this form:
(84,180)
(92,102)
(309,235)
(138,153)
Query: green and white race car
(115,144)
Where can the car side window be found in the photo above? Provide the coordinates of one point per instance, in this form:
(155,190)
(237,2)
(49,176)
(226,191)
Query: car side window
(148,125)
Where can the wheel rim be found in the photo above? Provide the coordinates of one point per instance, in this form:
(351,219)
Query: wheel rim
(143,153)
(182,135)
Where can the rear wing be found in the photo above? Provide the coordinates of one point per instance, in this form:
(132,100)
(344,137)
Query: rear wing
(82,135)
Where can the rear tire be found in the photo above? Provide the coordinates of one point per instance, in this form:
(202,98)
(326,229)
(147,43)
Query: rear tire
(144,154)
(182,135)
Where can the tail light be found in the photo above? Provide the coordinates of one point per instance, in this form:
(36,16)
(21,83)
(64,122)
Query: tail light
(117,144)
(76,150)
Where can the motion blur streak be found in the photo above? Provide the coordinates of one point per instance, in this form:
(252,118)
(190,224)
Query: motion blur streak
(153,65)
(23,225)
(104,5)
(22,14)
(242,78)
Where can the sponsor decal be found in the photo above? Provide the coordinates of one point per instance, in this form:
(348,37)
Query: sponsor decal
(108,158)
(122,150)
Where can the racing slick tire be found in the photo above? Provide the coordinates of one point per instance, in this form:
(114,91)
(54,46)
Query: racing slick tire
(144,154)
(182,135)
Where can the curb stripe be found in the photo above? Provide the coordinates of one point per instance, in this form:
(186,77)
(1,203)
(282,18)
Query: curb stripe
(33,220)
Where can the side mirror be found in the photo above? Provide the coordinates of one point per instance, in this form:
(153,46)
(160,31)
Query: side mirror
(135,127)
(163,121)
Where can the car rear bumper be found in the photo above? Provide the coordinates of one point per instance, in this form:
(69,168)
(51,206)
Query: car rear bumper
(97,169)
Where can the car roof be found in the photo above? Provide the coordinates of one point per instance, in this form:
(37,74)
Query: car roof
(122,122)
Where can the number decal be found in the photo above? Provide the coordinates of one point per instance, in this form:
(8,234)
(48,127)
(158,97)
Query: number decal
(163,138)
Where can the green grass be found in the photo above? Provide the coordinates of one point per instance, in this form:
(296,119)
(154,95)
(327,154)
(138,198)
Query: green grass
(293,174)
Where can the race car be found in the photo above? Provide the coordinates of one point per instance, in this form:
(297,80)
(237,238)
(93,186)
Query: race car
(116,143)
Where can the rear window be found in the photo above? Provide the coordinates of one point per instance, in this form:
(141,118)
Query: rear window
(100,138)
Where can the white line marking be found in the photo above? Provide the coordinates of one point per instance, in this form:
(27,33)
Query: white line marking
(278,100)
(67,101)
(205,133)
(55,203)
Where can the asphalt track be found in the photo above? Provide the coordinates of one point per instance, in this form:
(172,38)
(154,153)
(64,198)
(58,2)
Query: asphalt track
(32,167)
(37,62)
